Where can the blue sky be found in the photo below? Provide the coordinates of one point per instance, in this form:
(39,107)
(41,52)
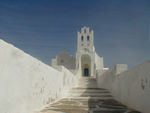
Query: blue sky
(43,28)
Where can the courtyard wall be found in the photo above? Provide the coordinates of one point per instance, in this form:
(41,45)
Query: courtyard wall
(130,87)
(27,84)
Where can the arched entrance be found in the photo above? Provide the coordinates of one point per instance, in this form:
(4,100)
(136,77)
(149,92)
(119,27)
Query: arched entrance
(86,65)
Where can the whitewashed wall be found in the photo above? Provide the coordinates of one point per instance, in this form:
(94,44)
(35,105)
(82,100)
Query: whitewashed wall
(27,84)
(131,87)
(99,62)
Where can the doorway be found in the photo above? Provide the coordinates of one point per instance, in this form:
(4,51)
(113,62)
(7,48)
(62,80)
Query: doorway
(85,65)
(86,72)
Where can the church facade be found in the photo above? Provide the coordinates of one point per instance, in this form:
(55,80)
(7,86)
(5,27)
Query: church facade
(87,62)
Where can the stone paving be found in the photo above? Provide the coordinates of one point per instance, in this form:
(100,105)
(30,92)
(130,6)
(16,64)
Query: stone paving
(88,100)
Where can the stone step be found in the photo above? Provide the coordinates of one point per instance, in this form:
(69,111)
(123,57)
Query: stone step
(87,98)
(87,83)
(88,91)
(87,78)
(84,80)
(87,86)
(89,95)
(101,110)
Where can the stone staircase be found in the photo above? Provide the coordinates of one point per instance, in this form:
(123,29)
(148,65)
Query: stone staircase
(87,82)
(88,98)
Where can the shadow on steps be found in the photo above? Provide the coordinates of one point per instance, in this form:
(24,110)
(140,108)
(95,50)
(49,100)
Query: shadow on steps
(88,100)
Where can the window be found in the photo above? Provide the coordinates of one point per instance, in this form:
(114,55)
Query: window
(88,38)
(81,38)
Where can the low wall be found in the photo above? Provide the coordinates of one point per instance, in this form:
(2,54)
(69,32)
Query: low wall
(27,84)
(131,87)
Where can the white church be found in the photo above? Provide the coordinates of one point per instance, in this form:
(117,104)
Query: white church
(87,62)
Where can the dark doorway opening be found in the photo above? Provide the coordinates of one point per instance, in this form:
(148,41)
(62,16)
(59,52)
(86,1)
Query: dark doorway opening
(86,72)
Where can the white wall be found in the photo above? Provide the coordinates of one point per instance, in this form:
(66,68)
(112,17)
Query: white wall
(99,62)
(131,87)
(27,84)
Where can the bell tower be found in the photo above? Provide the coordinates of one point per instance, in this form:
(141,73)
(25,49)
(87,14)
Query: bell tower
(85,55)
(85,40)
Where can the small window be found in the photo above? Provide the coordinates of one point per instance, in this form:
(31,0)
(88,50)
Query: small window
(81,38)
(88,38)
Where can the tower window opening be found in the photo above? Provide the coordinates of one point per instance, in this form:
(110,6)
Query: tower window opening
(81,38)
(88,38)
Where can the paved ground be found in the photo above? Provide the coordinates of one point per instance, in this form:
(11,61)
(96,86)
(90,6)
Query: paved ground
(87,99)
